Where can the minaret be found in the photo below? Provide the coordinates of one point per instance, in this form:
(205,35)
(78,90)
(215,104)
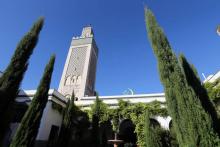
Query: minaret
(79,71)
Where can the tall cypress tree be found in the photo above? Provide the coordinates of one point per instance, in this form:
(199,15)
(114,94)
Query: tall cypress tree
(66,128)
(192,124)
(28,129)
(151,137)
(13,75)
(95,123)
(193,80)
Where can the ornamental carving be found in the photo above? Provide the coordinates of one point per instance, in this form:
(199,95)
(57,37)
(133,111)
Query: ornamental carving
(72,80)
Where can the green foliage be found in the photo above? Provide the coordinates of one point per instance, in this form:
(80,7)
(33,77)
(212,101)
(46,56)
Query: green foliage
(135,112)
(100,115)
(213,90)
(192,124)
(97,114)
(152,138)
(172,136)
(139,122)
(11,79)
(194,82)
(28,129)
(126,110)
(74,128)
(100,109)
(149,133)
(115,118)
(80,133)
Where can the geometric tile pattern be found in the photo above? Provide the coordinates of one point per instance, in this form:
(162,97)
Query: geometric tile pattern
(77,61)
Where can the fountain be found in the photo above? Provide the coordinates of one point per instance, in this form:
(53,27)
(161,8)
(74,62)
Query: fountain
(115,141)
(115,123)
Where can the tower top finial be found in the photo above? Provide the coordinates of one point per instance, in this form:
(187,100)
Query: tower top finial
(88,25)
(87,31)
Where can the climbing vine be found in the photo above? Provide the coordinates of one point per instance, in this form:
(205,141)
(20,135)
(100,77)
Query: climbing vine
(213,90)
(134,112)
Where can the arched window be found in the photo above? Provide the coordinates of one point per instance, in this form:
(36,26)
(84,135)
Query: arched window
(67,80)
(68,96)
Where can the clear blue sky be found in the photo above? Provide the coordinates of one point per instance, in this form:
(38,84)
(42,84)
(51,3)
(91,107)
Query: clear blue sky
(126,59)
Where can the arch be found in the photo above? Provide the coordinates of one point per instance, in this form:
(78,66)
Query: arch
(154,123)
(163,121)
(68,96)
(78,79)
(126,131)
(106,132)
(73,79)
(67,80)
(170,124)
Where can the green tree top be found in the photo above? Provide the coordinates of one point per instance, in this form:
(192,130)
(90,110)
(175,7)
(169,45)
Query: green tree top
(192,124)
(11,79)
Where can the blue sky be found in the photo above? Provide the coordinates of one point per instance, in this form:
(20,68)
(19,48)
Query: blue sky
(125,59)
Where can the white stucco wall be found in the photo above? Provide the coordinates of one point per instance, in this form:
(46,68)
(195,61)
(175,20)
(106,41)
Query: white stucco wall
(164,121)
(212,78)
(50,117)
(86,102)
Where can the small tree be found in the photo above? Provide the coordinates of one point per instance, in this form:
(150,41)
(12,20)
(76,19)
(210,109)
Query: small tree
(28,129)
(13,75)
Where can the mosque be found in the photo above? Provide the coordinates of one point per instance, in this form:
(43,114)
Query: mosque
(78,77)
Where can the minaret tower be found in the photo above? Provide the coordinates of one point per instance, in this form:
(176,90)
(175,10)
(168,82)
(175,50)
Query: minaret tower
(79,71)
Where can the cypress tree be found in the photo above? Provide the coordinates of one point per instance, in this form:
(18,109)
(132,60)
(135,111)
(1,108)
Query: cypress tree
(28,129)
(13,75)
(193,80)
(74,126)
(172,136)
(95,122)
(151,137)
(66,128)
(192,124)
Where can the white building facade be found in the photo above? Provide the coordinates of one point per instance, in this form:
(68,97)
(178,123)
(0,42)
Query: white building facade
(212,78)
(51,119)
